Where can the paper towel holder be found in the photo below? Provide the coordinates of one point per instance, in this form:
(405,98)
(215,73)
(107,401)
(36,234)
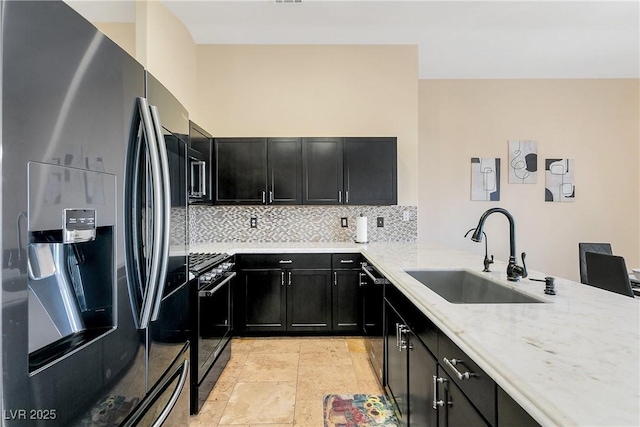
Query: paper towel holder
(361,236)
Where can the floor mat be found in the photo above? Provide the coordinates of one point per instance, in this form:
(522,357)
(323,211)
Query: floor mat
(358,410)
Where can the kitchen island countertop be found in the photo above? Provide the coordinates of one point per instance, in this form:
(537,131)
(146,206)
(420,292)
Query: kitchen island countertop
(574,360)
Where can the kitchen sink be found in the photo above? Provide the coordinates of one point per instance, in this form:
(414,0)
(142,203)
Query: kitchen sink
(463,287)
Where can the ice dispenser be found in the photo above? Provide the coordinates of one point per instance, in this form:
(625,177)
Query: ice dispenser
(71,260)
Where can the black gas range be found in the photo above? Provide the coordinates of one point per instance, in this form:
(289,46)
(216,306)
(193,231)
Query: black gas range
(212,302)
(202,262)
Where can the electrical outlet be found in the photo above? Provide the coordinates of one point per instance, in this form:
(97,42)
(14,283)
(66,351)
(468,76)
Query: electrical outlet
(380,221)
(344,222)
(406,216)
(254,222)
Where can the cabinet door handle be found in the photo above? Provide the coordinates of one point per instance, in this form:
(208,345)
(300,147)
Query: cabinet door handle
(340,196)
(335,278)
(346,194)
(437,403)
(270,196)
(264,197)
(452,365)
(404,342)
(285,261)
(289,278)
(282,279)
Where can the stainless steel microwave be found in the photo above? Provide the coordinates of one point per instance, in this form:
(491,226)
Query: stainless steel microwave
(199,182)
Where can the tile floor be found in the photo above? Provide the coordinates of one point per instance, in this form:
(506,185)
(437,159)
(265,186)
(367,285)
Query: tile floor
(280,382)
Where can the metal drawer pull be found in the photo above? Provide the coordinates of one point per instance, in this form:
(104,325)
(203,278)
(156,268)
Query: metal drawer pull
(452,364)
(285,261)
(437,403)
(346,261)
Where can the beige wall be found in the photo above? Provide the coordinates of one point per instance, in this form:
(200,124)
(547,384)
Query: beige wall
(314,91)
(122,33)
(596,122)
(167,50)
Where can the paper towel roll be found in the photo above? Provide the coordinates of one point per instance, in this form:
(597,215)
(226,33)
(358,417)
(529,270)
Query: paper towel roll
(361,229)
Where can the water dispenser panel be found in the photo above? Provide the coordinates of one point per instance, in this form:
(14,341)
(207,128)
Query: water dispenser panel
(79,225)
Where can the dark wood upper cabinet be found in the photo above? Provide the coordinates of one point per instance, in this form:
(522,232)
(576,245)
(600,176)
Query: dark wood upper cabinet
(241,171)
(370,171)
(284,171)
(306,171)
(322,173)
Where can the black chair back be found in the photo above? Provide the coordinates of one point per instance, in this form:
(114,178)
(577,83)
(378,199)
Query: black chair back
(601,248)
(608,272)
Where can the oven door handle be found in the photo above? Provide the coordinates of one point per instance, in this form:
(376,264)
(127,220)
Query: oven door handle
(210,292)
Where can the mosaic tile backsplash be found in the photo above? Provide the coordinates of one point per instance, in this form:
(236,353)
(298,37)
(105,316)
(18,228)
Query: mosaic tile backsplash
(300,223)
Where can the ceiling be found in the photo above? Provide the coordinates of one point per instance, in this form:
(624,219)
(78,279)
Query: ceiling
(455,39)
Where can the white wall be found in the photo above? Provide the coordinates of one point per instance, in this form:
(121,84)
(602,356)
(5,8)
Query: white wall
(596,122)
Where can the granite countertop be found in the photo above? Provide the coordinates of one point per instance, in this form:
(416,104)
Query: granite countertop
(572,361)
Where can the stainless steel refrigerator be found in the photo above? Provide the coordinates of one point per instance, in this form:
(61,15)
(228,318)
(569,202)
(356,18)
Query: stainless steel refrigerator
(90,285)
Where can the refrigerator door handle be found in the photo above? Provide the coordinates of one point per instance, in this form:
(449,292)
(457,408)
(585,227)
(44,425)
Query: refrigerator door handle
(139,281)
(131,224)
(164,206)
(174,396)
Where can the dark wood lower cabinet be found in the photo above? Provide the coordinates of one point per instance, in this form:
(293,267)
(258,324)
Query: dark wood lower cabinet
(455,409)
(416,378)
(422,368)
(264,300)
(510,414)
(282,300)
(346,301)
(279,298)
(410,370)
(308,300)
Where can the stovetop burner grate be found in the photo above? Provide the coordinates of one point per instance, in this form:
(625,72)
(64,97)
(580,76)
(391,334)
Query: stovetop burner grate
(200,262)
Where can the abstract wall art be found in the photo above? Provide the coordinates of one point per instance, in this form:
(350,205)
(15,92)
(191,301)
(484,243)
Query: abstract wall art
(523,162)
(559,180)
(485,179)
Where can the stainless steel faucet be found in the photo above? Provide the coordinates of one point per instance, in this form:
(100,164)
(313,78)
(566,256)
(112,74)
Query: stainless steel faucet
(514,271)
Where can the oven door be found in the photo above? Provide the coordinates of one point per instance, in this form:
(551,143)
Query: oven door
(214,322)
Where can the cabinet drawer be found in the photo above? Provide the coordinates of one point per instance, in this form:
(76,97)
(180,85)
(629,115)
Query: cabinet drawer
(478,387)
(346,260)
(270,261)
